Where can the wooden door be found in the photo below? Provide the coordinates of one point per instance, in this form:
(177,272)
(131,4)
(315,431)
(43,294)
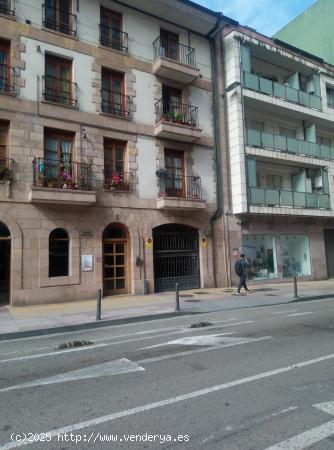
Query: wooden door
(169,44)
(115,271)
(113,92)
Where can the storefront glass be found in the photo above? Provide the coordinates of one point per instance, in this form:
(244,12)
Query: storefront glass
(295,253)
(261,253)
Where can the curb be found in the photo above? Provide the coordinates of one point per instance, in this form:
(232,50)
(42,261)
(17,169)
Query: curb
(126,320)
(91,325)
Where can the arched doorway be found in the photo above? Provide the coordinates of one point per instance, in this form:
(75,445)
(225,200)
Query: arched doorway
(115,260)
(5,246)
(175,257)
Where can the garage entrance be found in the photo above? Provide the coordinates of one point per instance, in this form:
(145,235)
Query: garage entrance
(175,257)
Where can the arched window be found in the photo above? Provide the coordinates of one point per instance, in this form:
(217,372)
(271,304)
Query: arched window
(58,253)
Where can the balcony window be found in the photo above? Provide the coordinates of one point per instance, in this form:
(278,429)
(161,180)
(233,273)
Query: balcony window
(58,86)
(57,16)
(115,175)
(111,33)
(174,183)
(7,7)
(330,97)
(171,109)
(4,67)
(6,164)
(114,101)
(167,45)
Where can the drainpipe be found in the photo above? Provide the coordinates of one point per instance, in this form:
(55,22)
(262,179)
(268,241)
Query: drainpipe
(219,192)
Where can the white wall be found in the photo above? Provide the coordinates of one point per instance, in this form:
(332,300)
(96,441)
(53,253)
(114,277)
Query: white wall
(147,180)
(144,99)
(35,66)
(203,166)
(202,99)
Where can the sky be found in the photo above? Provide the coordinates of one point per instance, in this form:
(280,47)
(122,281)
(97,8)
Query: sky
(266,16)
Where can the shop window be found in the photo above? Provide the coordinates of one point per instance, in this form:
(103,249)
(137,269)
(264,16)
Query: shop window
(261,253)
(58,253)
(295,251)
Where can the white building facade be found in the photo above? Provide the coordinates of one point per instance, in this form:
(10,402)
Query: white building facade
(281,157)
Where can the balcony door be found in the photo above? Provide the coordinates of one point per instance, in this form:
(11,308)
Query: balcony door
(4,66)
(169,44)
(57,14)
(174,183)
(58,155)
(171,101)
(3,144)
(114,164)
(58,80)
(111,28)
(113,92)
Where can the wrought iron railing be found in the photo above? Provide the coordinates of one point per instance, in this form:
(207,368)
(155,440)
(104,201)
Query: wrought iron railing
(59,20)
(62,174)
(171,185)
(8,83)
(7,7)
(116,180)
(113,37)
(263,139)
(280,197)
(168,48)
(59,90)
(180,113)
(6,169)
(284,91)
(116,104)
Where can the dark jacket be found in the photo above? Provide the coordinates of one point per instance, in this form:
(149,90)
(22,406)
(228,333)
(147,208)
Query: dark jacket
(244,264)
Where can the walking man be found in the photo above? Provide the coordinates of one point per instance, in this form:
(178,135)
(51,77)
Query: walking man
(241,270)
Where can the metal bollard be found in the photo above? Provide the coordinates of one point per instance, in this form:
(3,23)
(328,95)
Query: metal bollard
(295,287)
(177,297)
(98,304)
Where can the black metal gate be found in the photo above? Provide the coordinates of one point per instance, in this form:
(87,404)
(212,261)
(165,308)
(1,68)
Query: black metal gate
(176,257)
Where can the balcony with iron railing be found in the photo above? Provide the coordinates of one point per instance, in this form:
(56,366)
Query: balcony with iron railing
(291,199)
(177,121)
(60,91)
(179,191)
(272,88)
(113,38)
(59,20)
(116,104)
(118,180)
(174,61)
(62,182)
(7,7)
(293,146)
(8,84)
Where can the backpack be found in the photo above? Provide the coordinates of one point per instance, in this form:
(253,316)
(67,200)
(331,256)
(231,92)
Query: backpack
(238,268)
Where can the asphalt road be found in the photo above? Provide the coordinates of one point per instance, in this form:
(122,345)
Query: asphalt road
(256,379)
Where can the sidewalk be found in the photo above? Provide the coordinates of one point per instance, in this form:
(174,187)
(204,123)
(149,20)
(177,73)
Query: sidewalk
(128,307)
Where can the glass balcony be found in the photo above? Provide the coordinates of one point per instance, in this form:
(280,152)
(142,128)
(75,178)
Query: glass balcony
(274,89)
(288,145)
(279,197)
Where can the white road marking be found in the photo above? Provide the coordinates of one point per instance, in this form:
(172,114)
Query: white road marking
(283,411)
(201,350)
(300,314)
(283,312)
(172,400)
(55,353)
(312,436)
(115,367)
(204,339)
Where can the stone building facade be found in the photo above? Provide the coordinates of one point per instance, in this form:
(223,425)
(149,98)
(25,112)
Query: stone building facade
(108,151)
